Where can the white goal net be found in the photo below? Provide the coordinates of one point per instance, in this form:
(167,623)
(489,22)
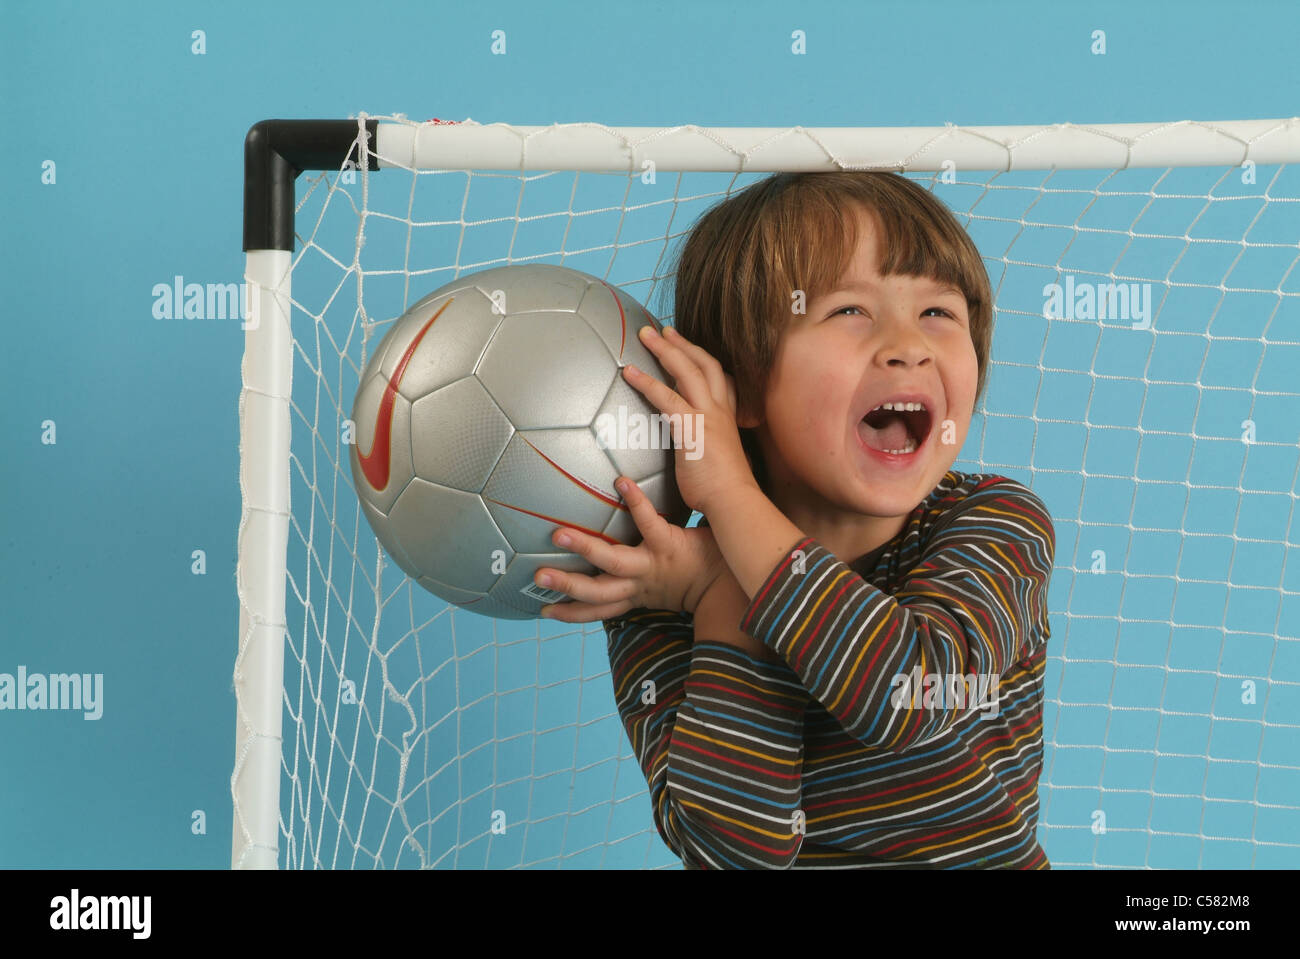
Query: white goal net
(1143,384)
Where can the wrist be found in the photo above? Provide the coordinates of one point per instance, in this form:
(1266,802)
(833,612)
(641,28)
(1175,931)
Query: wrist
(733,498)
(720,609)
(707,580)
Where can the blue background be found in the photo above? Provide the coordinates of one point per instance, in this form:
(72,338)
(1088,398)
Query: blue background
(147,138)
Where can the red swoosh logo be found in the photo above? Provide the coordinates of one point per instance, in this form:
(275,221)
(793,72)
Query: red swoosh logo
(377,464)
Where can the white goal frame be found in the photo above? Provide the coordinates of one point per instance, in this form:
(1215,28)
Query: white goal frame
(278,150)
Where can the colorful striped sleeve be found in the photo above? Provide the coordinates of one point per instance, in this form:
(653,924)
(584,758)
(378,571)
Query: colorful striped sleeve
(973,606)
(719,737)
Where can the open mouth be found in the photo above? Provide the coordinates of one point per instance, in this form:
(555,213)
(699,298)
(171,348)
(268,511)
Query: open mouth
(895,431)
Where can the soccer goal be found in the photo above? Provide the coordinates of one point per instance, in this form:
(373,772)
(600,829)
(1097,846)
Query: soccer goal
(1143,384)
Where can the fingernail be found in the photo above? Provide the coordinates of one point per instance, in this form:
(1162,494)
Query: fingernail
(544,580)
(632,370)
(621,486)
(649,331)
(562,539)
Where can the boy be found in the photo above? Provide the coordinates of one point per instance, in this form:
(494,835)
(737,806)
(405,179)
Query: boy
(843,666)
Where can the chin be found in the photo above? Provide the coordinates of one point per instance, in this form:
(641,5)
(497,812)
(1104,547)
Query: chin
(898,500)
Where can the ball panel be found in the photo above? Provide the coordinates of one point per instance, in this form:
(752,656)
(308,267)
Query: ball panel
(398,334)
(464,282)
(449,535)
(388,540)
(631,431)
(493,608)
(549,478)
(533,287)
(618,331)
(449,593)
(464,326)
(462,435)
(546,370)
(389,468)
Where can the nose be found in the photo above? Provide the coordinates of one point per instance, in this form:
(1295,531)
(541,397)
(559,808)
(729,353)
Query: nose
(903,343)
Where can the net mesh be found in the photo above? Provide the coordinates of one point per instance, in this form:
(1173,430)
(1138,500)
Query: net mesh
(1157,424)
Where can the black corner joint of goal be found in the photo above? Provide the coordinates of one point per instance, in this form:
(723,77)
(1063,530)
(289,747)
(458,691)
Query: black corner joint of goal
(275,152)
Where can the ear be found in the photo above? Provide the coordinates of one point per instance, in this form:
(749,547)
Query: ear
(745,418)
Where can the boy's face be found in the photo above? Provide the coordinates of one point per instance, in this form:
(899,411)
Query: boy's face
(868,341)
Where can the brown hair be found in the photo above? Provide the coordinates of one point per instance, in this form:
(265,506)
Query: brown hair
(741,262)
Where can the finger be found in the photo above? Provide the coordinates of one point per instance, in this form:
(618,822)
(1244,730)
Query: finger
(687,374)
(616,558)
(664,399)
(648,520)
(602,589)
(713,372)
(583,612)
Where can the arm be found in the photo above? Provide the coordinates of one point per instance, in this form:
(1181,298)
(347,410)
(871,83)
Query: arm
(720,608)
(718,736)
(975,604)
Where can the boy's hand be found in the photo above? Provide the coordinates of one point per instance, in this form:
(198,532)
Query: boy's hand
(706,394)
(670,569)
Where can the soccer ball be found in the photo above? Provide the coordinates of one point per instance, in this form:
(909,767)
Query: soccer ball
(483,421)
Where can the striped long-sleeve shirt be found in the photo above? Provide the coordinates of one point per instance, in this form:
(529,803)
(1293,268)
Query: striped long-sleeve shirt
(859,749)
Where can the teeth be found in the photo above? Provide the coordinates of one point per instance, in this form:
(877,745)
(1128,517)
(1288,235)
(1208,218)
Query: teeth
(900,407)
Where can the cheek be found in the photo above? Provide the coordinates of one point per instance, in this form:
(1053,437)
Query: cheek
(962,372)
(970,359)
(803,383)
(824,378)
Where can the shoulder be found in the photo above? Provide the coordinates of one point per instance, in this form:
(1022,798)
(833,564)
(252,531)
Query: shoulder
(960,490)
(989,501)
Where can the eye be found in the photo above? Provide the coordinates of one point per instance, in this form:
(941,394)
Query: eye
(934,309)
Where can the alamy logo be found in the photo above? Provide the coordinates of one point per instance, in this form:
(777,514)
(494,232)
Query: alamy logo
(1098,301)
(83,691)
(179,300)
(931,691)
(630,430)
(69,913)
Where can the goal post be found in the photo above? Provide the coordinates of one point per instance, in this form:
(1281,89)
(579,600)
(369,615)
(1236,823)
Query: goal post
(376,726)
(275,153)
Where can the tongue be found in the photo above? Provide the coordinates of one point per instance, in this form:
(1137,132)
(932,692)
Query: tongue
(892,435)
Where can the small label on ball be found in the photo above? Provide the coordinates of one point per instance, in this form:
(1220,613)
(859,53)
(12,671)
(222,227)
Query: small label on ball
(533,591)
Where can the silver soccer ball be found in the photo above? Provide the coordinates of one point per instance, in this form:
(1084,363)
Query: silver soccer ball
(482,423)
